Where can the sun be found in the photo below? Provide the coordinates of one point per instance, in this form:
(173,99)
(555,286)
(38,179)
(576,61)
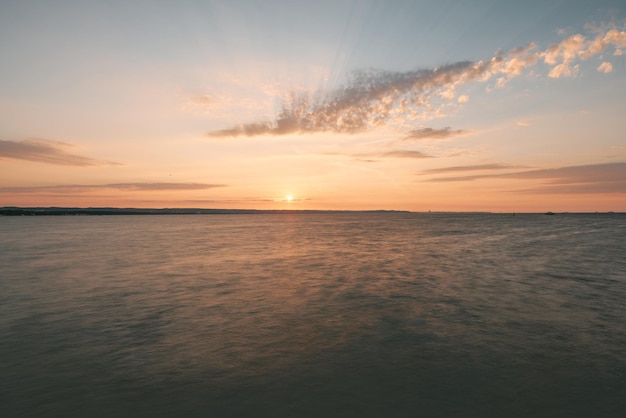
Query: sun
(289,198)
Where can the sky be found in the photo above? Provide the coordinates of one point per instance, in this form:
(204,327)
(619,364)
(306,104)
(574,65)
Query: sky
(488,105)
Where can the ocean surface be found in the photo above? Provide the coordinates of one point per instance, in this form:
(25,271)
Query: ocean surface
(313,315)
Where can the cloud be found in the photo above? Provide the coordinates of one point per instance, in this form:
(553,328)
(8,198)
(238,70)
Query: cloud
(582,179)
(563,54)
(249,129)
(45,151)
(374,98)
(369,99)
(522,124)
(613,37)
(220,105)
(405,154)
(618,186)
(162,186)
(430,133)
(204,103)
(370,157)
(201,100)
(135,187)
(464,168)
(605,67)
(564,70)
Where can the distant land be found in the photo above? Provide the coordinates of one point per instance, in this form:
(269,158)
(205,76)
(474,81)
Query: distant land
(62,211)
(58,211)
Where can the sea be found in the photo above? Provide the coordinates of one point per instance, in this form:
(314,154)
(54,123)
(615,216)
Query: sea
(313,314)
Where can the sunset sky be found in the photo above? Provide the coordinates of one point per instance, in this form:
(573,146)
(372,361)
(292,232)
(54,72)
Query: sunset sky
(490,105)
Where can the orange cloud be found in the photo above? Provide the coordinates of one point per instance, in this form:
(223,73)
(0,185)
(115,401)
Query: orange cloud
(134,187)
(430,133)
(465,168)
(583,179)
(46,151)
(395,154)
(563,54)
(605,67)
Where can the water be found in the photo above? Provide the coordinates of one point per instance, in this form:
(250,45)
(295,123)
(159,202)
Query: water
(313,314)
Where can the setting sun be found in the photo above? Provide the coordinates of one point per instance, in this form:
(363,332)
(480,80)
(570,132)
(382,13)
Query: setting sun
(289,198)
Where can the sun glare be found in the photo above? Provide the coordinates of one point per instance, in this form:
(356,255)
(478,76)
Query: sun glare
(289,198)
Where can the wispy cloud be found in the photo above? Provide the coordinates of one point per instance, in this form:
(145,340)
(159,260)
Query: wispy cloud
(46,151)
(430,133)
(582,179)
(135,187)
(220,105)
(369,157)
(405,154)
(162,186)
(618,186)
(374,98)
(465,168)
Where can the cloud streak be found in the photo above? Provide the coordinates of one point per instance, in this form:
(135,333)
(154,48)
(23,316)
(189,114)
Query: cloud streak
(582,179)
(131,187)
(374,98)
(465,168)
(47,152)
(405,154)
(367,157)
(430,133)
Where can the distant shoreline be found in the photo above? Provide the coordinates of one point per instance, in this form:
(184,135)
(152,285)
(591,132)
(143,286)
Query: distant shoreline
(62,211)
(67,211)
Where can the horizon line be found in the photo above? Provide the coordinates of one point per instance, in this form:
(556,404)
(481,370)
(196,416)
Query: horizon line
(72,210)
